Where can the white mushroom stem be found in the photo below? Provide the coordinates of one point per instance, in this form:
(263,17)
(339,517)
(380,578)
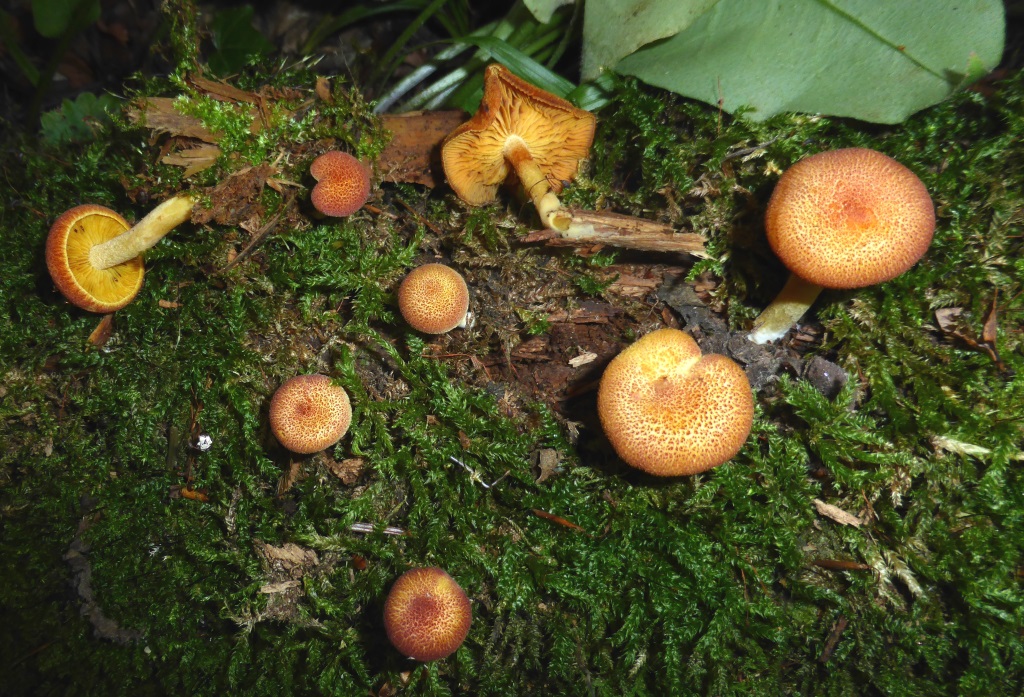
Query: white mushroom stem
(552,214)
(795,298)
(146,233)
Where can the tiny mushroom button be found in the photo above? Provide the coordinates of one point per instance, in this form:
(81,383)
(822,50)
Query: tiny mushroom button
(343,184)
(842,219)
(668,410)
(309,413)
(539,136)
(434,299)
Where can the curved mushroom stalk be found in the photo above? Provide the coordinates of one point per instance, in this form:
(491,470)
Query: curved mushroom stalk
(792,302)
(146,233)
(549,208)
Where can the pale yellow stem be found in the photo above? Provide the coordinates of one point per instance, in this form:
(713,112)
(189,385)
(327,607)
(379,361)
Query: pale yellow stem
(146,233)
(550,209)
(795,298)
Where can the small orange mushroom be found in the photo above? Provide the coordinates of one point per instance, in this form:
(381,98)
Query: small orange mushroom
(427,614)
(309,413)
(842,219)
(668,410)
(343,184)
(95,258)
(434,299)
(520,128)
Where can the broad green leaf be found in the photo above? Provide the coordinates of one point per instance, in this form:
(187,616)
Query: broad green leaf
(543,9)
(871,60)
(54,17)
(613,29)
(77,121)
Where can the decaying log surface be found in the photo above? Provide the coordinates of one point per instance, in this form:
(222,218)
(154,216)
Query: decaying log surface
(589,228)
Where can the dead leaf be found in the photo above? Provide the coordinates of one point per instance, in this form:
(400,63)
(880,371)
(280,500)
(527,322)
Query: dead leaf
(414,152)
(194,160)
(347,470)
(837,514)
(323,89)
(222,90)
(990,326)
(583,359)
(289,556)
(159,115)
(289,478)
(557,519)
(946,318)
(101,334)
(547,461)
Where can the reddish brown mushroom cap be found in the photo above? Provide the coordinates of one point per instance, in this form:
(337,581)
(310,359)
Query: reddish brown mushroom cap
(670,411)
(556,133)
(849,218)
(309,413)
(343,184)
(434,299)
(427,614)
(72,236)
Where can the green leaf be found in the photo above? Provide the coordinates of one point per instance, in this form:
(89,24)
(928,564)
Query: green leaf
(77,121)
(236,40)
(544,9)
(876,61)
(521,64)
(54,17)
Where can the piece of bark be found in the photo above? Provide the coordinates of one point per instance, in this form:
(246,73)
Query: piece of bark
(159,115)
(414,153)
(589,228)
(837,514)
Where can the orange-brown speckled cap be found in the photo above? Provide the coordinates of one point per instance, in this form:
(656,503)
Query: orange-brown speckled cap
(309,413)
(434,299)
(427,614)
(849,218)
(68,244)
(670,411)
(343,184)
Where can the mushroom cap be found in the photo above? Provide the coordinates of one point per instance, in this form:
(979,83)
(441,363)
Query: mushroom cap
(670,411)
(71,237)
(433,299)
(849,218)
(309,413)
(427,614)
(343,184)
(557,134)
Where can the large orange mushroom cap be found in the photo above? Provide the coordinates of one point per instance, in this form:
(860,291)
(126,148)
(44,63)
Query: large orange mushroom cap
(343,184)
(668,410)
(309,413)
(427,614)
(556,134)
(434,299)
(72,237)
(849,218)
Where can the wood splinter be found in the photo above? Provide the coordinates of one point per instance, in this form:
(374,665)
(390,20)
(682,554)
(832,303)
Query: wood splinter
(589,228)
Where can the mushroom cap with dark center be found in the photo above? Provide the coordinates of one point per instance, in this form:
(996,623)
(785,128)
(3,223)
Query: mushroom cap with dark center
(68,244)
(427,614)
(849,218)
(433,299)
(309,413)
(557,134)
(343,184)
(668,410)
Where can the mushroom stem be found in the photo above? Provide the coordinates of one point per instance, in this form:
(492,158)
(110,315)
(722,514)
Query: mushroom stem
(795,298)
(552,214)
(146,233)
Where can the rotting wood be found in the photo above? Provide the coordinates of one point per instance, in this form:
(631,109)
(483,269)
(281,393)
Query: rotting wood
(589,228)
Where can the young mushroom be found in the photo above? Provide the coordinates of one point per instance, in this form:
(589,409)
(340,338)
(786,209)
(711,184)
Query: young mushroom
(343,184)
(309,413)
(842,219)
(95,257)
(522,128)
(668,410)
(434,299)
(427,614)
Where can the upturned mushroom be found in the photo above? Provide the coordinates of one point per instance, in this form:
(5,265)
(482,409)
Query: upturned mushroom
(309,413)
(427,614)
(434,299)
(518,128)
(669,411)
(842,219)
(343,184)
(95,257)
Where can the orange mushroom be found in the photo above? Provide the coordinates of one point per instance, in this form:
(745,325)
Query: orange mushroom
(842,219)
(343,184)
(95,258)
(309,413)
(427,614)
(522,128)
(668,410)
(434,299)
